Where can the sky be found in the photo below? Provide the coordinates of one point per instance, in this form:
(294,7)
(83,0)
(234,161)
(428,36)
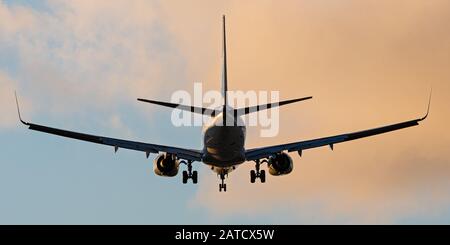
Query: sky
(80,65)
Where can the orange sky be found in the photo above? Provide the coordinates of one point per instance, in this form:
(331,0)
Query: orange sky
(367,63)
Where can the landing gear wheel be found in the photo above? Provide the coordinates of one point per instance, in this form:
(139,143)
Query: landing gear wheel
(194,177)
(189,174)
(257,173)
(252,176)
(222,186)
(185,177)
(262,176)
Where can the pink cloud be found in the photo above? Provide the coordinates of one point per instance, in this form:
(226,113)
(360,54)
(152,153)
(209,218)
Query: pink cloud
(364,69)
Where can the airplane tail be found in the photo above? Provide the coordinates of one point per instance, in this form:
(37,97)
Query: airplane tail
(224,71)
(214,112)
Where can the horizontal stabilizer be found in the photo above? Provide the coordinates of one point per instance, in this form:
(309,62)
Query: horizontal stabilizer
(247,110)
(193,109)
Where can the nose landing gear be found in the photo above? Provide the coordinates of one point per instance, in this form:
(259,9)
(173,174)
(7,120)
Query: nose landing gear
(257,173)
(222,186)
(189,174)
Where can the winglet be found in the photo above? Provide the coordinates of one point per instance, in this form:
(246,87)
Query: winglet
(18,111)
(428,108)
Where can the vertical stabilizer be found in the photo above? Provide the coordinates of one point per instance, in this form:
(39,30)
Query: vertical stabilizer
(224,71)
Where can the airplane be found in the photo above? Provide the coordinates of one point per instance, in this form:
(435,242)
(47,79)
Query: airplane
(224,145)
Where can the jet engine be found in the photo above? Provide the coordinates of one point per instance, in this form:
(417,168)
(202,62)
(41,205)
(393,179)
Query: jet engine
(166,165)
(280,164)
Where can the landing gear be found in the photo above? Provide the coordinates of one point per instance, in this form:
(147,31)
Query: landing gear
(194,177)
(261,174)
(252,176)
(222,186)
(189,174)
(185,177)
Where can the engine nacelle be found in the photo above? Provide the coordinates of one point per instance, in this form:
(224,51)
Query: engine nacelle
(166,165)
(280,164)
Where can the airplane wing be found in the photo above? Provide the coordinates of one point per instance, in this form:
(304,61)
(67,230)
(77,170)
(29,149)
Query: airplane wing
(187,154)
(265,152)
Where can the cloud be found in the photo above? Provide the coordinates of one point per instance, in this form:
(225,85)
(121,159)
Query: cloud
(364,69)
(85,53)
(8,109)
(117,124)
(14,20)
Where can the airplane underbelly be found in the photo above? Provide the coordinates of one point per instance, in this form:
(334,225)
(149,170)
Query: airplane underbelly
(224,146)
(223,157)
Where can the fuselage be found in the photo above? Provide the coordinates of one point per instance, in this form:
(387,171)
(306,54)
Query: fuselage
(224,146)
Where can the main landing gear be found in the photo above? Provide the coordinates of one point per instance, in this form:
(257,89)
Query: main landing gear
(257,173)
(222,186)
(189,174)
